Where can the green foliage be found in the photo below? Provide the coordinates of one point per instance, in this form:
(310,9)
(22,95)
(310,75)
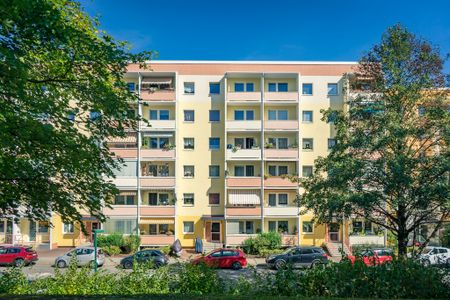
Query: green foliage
(53,57)
(131,243)
(446,236)
(166,250)
(262,243)
(197,280)
(266,252)
(112,250)
(126,244)
(113,239)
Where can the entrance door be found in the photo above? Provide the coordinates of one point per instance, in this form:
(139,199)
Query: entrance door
(334,232)
(94,226)
(215,231)
(32,231)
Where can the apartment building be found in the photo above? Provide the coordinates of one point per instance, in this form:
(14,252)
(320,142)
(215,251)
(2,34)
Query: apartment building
(213,157)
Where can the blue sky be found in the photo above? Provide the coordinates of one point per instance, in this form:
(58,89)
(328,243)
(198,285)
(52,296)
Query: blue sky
(267,30)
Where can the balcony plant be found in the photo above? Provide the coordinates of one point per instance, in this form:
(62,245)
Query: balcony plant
(293,146)
(268,145)
(169,146)
(235,149)
(170,232)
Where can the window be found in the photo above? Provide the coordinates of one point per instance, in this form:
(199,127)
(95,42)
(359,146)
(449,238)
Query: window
(307,227)
(272,199)
(283,199)
(124,200)
(123,226)
(278,170)
(307,116)
(283,226)
(247,171)
(272,87)
(68,228)
(238,87)
(332,89)
(131,86)
(189,171)
(331,143)
(279,143)
(189,116)
(153,229)
(239,171)
(249,87)
(214,115)
(153,199)
(188,143)
(189,88)
(307,144)
(154,142)
(307,171)
(214,171)
(273,226)
(153,114)
(2,226)
(42,226)
(307,89)
(214,88)
(241,115)
(214,199)
(278,114)
(163,199)
(246,227)
(94,115)
(282,87)
(278,87)
(214,143)
(188,199)
(332,117)
(162,114)
(244,143)
(188,227)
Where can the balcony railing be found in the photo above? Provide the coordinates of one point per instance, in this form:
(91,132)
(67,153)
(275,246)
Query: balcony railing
(244,211)
(243,182)
(244,97)
(158,182)
(244,154)
(157,240)
(158,95)
(158,153)
(366,239)
(281,97)
(281,211)
(254,125)
(279,182)
(163,211)
(238,239)
(125,152)
(125,182)
(281,154)
(159,125)
(289,125)
(121,210)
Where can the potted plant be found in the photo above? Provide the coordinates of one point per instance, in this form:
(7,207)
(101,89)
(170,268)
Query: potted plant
(169,232)
(268,145)
(169,146)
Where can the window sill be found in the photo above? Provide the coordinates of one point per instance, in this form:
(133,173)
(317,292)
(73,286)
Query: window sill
(188,149)
(307,233)
(214,205)
(188,177)
(308,150)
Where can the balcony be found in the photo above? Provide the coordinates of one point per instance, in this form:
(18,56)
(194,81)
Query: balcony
(243,125)
(238,239)
(121,210)
(159,125)
(277,182)
(158,182)
(243,211)
(244,182)
(282,211)
(159,95)
(247,97)
(156,154)
(279,125)
(124,152)
(157,240)
(157,211)
(366,240)
(281,154)
(125,182)
(278,97)
(244,154)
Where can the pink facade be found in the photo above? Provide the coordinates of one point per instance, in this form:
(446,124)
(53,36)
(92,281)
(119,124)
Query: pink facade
(125,153)
(281,125)
(157,239)
(165,211)
(237,182)
(121,210)
(281,97)
(244,211)
(278,182)
(238,239)
(281,153)
(158,153)
(155,182)
(163,95)
(244,97)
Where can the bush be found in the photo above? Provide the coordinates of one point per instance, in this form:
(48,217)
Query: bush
(268,252)
(126,244)
(197,280)
(263,241)
(111,250)
(131,243)
(113,239)
(166,250)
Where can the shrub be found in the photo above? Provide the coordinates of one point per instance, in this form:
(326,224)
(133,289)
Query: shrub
(197,280)
(165,250)
(266,241)
(266,252)
(111,250)
(126,244)
(113,239)
(131,243)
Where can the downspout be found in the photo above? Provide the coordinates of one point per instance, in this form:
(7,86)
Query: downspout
(138,164)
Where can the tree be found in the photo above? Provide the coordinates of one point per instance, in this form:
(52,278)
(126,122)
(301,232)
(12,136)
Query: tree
(391,161)
(56,63)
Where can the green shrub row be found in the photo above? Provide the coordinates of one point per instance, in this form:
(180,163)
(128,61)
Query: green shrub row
(401,279)
(263,244)
(117,243)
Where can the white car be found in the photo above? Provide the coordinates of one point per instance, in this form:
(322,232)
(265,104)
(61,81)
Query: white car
(435,256)
(84,256)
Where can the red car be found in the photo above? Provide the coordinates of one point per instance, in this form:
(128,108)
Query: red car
(223,258)
(372,257)
(17,255)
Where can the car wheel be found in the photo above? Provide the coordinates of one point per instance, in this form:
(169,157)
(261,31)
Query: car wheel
(280,264)
(19,262)
(61,264)
(236,265)
(426,263)
(158,265)
(127,265)
(315,264)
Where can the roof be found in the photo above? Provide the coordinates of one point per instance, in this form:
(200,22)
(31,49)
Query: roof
(253,62)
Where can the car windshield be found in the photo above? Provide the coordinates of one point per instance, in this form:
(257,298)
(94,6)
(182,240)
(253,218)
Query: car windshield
(2,250)
(427,250)
(291,250)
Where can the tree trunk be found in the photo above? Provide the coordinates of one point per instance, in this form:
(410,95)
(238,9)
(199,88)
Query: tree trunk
(402,242)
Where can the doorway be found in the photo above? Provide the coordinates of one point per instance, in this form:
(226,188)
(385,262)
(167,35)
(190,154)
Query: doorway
(215,231)
(32,231)
(334,232)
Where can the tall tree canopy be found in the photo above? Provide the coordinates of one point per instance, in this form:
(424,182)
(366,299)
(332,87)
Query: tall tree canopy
(391,161)
(54,58)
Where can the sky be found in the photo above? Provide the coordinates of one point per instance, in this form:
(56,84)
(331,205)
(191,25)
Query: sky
(314,30)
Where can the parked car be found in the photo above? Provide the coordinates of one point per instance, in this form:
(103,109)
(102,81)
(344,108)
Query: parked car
(85,256)
(158,258)
(223,258)
(371,257)
(17,256)
(298,257)
(435,256)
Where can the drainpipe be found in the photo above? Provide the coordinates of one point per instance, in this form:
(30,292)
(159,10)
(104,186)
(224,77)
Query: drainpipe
(225,193)
(138,163)
(262,152)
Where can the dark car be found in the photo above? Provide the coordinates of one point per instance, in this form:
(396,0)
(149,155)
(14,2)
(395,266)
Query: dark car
(298,257)
(145,256)
(17,256)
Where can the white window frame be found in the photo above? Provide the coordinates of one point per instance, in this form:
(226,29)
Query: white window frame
(312,170)
(277,169)
(312,89)
(193,227)
(193,199)
(311,142)
(337,89)
(64,228)
(188,83)
(312,116)
(184,145)
(193,171)
(312,226)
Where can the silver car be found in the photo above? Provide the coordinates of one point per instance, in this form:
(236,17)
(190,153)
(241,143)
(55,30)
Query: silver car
(83,255)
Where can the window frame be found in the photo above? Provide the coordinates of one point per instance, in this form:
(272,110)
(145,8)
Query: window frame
(187,196)
(311,142)
(312,227)
(337,89)
(185,112)
(214,111)
(188,223)
(305,112)
(303,89)
(214,139)
(71,230)
(212,91)
(215,195)
(185,169)
(303,170)
(186,86)
(211,167)
(184,143)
